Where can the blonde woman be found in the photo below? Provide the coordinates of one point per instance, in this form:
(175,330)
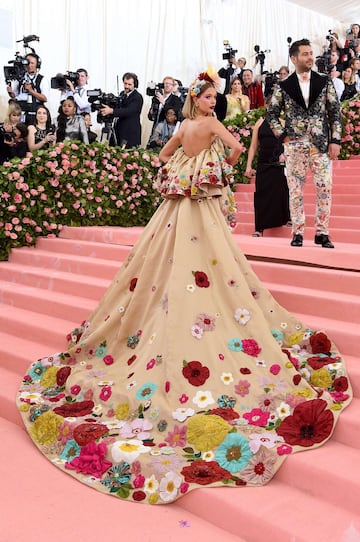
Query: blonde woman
(237,102)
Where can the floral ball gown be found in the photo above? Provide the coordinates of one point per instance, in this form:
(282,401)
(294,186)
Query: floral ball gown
(188,374)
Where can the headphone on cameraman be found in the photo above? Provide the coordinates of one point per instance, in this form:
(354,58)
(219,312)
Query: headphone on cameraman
(37,58)
(130,75)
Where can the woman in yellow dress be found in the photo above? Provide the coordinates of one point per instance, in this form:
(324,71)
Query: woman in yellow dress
(237,102)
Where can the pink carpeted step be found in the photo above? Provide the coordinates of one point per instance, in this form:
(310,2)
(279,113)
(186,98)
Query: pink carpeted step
(277,512)
(53,280)
(56,304)
(65,262)
(48,330)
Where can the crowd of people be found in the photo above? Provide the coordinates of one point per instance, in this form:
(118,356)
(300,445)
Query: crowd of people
(28,124)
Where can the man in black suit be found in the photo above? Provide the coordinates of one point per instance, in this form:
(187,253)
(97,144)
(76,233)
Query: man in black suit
(126,126)
(311,136)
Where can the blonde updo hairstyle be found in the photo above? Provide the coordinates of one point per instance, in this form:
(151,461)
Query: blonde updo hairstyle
(189,108)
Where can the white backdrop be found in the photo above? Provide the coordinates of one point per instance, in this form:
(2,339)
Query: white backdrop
(152,38)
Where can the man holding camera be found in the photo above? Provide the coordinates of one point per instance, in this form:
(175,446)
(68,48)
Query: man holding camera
(78,91)
(126,130)
(31,91)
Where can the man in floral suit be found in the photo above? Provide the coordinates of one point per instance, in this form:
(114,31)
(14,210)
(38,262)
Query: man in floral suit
(311,136)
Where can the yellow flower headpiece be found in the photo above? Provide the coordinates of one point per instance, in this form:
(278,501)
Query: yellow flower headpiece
(208,76)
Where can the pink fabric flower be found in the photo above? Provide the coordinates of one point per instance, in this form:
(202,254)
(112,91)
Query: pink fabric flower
(91,460)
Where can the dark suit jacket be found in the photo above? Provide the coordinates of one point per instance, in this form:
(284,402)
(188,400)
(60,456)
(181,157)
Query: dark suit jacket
(127,119)
(320,121)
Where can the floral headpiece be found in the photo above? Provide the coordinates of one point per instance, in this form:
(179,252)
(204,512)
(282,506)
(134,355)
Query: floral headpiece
(208,76)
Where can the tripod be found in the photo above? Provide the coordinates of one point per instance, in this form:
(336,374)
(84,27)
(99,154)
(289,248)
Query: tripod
(107,131)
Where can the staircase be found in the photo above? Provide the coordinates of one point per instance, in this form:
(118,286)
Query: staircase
(47,290)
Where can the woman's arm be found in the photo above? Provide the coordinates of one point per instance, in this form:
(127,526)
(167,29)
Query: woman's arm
(249,172)
(229,141)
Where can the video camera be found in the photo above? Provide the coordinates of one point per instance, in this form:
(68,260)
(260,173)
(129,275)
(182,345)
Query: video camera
(59,81)
(271,79)
(153,88)
(17,70)
(230,52)
(97,99)
(323,63)
(7,136)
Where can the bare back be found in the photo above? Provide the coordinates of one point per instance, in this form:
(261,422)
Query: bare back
(197,134)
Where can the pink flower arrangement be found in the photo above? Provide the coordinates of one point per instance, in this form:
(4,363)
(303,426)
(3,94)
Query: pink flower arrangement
(77,185)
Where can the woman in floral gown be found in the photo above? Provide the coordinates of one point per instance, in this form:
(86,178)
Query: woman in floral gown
(188,373)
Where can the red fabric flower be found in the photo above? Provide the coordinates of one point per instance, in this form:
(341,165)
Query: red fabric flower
(227,414)
(133,283)
(139,496)
(196,373)
(245,371)
(320,344)
(341,383)
(201,279)
(205,472)
(131,360)
(310,423)
(91,460)
(80,408)
(87,432)
(316,362)
(62,375)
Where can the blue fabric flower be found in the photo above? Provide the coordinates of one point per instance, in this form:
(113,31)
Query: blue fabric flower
(71,450)
(37,371)
(235,345)
(234,453)
(146,391)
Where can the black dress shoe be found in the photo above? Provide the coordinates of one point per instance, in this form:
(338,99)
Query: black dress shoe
(297,240)
(323,240)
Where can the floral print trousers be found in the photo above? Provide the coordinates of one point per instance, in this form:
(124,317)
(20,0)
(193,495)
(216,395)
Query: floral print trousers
(299,157)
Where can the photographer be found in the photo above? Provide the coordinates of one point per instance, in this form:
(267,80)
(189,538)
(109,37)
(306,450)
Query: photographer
(15,142)
(77,87)
(233,67)
(31,90)
(163,98)
(12,117)
(126,125)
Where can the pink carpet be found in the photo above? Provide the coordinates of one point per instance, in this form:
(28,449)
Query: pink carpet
(314,497)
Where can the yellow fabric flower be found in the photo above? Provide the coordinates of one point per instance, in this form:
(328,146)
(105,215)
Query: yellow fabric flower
(206,432)
(153,499)
(321,378)
(304,392)
(45,429)
(294,338)
(122,411)
(49,378)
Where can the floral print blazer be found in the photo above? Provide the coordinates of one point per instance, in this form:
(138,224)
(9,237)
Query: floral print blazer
(320,121)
